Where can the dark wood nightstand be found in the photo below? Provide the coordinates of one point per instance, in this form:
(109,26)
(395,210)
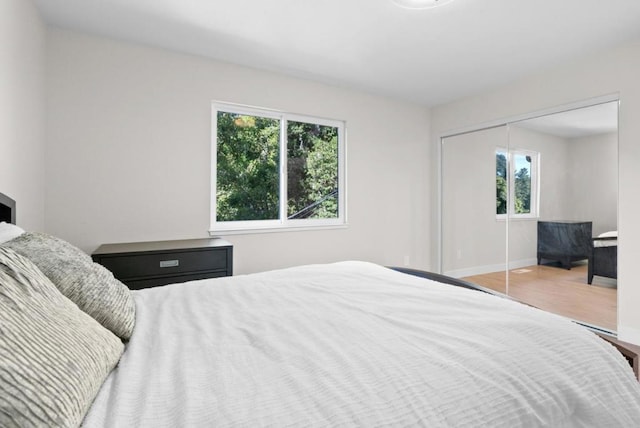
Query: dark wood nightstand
(149,264)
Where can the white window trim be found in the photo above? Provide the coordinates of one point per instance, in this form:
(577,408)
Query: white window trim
(535,185)
(283,224)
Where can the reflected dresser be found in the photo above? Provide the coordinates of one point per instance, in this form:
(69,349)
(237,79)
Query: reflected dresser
(564,241)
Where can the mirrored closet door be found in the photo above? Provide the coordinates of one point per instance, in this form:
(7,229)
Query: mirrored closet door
(530,209)
(474,240)
(566,196)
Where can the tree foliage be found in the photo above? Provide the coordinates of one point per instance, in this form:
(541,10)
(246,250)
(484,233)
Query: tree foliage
(248,178)
(522,187)
(247,167)
(501,183)
(521,183)
(312,153)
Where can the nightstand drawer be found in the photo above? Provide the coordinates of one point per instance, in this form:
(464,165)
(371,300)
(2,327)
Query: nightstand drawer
(149,264)
(169,263)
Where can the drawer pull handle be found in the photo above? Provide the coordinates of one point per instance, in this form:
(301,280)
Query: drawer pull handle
(169,263)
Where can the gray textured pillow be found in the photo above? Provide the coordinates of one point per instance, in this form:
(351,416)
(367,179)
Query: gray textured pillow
(87,284)
(53,357)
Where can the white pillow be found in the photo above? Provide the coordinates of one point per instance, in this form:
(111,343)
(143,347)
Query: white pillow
(53,357)
(9,231)
(612,234)
(87,284)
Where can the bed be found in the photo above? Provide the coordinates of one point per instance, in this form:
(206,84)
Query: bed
(604,256)
(342,344)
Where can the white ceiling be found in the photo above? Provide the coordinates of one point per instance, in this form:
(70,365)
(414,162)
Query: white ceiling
(428,56)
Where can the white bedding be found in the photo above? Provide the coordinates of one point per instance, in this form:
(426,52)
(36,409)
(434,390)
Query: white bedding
(607,242)
(355,344)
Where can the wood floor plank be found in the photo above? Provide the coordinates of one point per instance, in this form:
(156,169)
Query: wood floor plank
(557,290)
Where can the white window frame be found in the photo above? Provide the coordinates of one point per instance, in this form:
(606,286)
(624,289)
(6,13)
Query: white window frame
(535,184)
(283,223)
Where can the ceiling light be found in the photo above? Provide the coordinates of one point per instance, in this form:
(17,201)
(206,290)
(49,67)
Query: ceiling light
(420,4)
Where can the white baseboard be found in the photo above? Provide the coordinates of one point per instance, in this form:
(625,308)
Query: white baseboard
(480,270)
(519,264)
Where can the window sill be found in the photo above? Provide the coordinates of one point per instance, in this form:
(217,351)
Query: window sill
(531,218)
(275,229)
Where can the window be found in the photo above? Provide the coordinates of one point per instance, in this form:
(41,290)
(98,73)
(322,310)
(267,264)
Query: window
(275,170)
(516,183)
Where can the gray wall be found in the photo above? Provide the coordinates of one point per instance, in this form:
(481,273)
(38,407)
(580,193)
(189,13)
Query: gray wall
(129,140)
(593,167)
(22,107)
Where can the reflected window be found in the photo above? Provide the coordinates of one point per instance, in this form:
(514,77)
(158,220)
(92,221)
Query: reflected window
(517,183)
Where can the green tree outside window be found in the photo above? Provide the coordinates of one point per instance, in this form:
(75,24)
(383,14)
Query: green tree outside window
(248,169)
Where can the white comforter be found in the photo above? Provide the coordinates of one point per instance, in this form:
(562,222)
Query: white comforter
(355,344)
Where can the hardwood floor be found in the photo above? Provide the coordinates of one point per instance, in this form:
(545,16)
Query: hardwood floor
(560,291)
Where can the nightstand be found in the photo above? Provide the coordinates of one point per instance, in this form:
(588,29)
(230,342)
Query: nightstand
(150,264)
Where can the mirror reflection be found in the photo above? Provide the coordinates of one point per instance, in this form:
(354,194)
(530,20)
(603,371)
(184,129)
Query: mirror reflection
(556,199)
(473,242)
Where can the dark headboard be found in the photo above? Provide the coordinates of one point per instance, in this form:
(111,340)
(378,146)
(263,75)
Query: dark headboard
(7,209)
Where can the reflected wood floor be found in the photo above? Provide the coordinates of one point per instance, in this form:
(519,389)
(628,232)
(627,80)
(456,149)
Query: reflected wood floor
(560,291)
